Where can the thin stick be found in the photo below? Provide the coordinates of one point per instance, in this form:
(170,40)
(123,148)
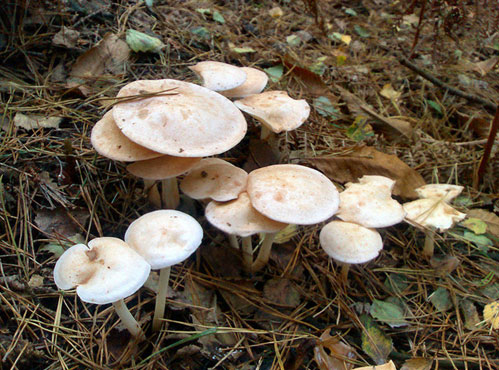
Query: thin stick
(128,320)
(159,309)
(488,149)
(264,254)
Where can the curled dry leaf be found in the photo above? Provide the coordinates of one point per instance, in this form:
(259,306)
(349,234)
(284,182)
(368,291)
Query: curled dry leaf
(417,364)
(368,161)
(340,354)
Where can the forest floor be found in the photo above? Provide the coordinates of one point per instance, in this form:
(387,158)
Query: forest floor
(364,68)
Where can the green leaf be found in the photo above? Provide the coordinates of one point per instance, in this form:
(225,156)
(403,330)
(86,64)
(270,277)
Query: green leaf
(325,108)
(463,201)
(201,32)
(335,36)
(396,283)
(361,31)
(440,298)
(203,11)
(218,17)
(476,225)
(275,73)
(491,291)
(481,241)
(57,249)
(243,50)
(359,131)
(140,42)
(351,12)
(470,313)
(435,106)
(293,40)
(389,313)
(318,67)
(374,341)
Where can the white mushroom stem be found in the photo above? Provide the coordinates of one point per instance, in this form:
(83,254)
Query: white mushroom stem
(429,243)
(264,252)
(247,250)
(128,320)
(345,268)
(265,133)
(233,241)
(169,193)
(159,309)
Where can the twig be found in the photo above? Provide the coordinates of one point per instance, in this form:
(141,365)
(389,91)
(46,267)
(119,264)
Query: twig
(488,148)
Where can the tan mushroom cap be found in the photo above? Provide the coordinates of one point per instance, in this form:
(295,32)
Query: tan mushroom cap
(446,192)
(348,242)
(186,121)
(216,179)
(276,110)
(165,237)
(107,140)
(162,168)
(369,203)
(388,366)
(238,217)
(104,272)
(219,76)
(433,213)
(255,83)
(292,194)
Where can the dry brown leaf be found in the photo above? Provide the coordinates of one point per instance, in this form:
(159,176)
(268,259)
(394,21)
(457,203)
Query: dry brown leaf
(339,356)
(417,364)
(390,93)
(282,292)
(368,161)
(478,123)
(485,66)
(66,37)
(33,121)
(61,221)
(491,219)
(444,265)
(311,81)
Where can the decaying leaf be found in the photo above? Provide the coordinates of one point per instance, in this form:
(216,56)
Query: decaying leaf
(389,92)
(307,79)
(440,298)
(491,314)
(484,66)
(368,161)
(444,265)
(470,314)
(61,222)
(339,356)
(417,364)
(491,219)
(389,313)
(142,42)
(475,224)
(282,292)
(33,121)
(66,37)
(58,248)
(374,341)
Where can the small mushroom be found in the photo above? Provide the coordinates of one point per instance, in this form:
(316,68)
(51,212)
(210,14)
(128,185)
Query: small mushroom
(107,271)
(164,238)
(349,243)
(256,81)
(219,76)
(388,366)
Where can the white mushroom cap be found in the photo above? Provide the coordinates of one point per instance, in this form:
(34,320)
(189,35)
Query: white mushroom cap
(388,366)
(292,194)
(162,168)
(347,242)
(108,141)
(186,121)
(255,83)
(216,179)
(446,192)
(219,76)
(276,110)
(238,217)
(104,272)
(369,203)
(164,237)
(433,213)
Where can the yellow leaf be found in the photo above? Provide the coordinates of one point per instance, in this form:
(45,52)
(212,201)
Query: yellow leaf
(491,313)
(346,39)
(389,93)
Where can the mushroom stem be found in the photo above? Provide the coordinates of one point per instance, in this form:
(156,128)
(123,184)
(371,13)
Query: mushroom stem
(151,189)
(170,197)
(159,309)
(429,243)
(128,320)
(345,268)
(264,252)
(233,241)
(247,250)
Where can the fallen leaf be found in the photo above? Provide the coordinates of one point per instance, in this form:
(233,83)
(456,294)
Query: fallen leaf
(66,37)
(440,299)
(491,314)
(389,313)
(218,17)
(389,92)
(491,219)
(142,42)
(311,81)
(479,123)
(359,130)
(59,247)
(396,283)
(276,12)
(338,355)
(243,50)
(417,364)
(362,32)
(368,161)
(282,292)
(481,241)
(475,224)
(61,222)
(410,19)
(485,66)
(325,107)
(33,121)
(35,281)
(444,265)
(388,366)
(296,358)
(275,73)
(470,314)
(374,341)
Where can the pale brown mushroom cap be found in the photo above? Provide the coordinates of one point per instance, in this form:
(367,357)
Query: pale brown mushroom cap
(219,76)
(165,237)
(255,83)
(216,179)
(292,194)
(238,217)
(348,242)
(432,213)
(369,203)
(446,192)
(104,272)
(388,366)
(107,140)
(276,110)
(162,168)
(186,121)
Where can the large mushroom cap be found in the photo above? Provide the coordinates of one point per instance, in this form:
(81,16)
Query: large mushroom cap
(219,76)
(446,192)
(292,194)
(162,168)
(276,110)
(108,141)
(350,243)
(164,237)
(104,272)
(369,203)
(238,217)
(432,213)
(216,179)
(255,83)
(187,120)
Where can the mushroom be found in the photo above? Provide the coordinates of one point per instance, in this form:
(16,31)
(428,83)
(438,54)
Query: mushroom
(256,81)
(164,238)
(349,243)
(238,217)
(107,271)
(369,203)
(291,194)
(166,169)
(219,76)
(388,366)
(433,212)
(178,118)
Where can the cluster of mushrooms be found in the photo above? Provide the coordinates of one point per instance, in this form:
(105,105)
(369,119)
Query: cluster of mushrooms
(168,128)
